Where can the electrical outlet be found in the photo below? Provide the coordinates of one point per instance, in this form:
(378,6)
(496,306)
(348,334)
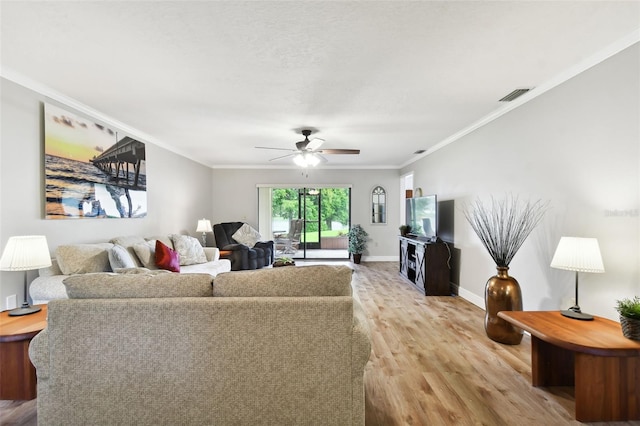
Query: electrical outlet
(11,302)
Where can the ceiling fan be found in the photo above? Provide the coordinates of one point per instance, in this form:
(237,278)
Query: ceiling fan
(307,152)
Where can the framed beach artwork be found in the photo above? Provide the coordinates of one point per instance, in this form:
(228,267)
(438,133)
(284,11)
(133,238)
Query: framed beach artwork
(91,172)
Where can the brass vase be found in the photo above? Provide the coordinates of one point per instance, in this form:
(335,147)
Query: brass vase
(502,293)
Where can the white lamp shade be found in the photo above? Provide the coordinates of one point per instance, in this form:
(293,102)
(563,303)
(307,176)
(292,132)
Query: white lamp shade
(204,225)
(578,254)
(25,253)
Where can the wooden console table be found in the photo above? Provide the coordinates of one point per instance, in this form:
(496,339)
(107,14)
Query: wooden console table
(17,374)
(593,356)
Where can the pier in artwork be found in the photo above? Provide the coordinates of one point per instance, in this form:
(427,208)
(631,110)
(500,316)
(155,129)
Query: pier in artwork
(116,160)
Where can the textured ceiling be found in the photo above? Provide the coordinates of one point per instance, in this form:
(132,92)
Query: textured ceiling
(211,80)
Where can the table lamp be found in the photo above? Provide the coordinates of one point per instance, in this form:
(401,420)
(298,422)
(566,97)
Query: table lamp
(25,253)
(579,255)
(204,226)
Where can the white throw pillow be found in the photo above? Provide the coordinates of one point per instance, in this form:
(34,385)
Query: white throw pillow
(247,235)
(128,242)
(120,258)
(189,249)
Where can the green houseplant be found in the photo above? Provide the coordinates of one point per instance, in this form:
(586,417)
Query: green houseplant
(629,310)
(357,242)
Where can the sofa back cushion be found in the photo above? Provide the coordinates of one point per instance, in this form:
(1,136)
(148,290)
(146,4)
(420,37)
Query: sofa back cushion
(164,239)
(83,258)
(288,281)
(199,361)
(150,284)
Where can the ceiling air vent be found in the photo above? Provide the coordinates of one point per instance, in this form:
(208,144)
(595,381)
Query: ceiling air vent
(514,95)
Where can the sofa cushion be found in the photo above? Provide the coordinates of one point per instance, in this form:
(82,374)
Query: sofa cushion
(167,258)
(120,258)
(151,284)
(165,239)
(288,281)
(189,249)
(247,235)
(128,242)
(146,252)
(83,258)
(50,271)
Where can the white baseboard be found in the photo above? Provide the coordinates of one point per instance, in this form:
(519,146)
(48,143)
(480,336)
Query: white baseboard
(380,258)
(470,297)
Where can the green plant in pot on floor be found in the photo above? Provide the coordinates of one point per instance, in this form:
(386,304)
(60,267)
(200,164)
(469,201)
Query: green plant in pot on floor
(629,310)
(357,242)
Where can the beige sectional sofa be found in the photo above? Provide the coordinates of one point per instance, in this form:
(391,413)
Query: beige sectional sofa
(129,254)
(277,346)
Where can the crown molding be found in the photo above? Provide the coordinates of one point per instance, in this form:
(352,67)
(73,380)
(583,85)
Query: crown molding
(557,80)
(66,101)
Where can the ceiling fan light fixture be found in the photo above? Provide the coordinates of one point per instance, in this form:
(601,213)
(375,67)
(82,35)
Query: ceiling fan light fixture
(299,160)
(312,159)
(306,159)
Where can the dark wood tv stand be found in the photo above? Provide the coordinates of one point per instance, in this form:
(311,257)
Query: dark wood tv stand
(425,265)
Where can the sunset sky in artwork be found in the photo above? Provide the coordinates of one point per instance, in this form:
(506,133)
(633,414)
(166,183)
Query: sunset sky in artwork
(71,136)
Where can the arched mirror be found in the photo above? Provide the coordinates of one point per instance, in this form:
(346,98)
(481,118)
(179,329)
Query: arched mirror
(378,205)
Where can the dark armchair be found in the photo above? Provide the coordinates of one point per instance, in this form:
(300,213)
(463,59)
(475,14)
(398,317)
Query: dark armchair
(242,256)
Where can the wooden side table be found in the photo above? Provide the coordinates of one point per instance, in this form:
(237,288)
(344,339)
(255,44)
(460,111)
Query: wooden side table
(17,374)
(593,356)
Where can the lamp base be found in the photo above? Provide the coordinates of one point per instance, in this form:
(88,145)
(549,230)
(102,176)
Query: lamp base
(577,314)
(25,309)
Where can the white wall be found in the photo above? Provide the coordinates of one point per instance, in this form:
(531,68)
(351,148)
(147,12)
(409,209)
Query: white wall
(577,146)
(235,199)
(177,195)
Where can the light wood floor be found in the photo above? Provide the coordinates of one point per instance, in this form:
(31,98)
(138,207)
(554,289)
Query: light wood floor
(431,364)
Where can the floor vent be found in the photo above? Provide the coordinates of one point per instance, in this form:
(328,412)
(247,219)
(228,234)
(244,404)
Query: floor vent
(514,95)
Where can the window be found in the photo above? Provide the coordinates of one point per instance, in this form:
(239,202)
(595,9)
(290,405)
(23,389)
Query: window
(378,205)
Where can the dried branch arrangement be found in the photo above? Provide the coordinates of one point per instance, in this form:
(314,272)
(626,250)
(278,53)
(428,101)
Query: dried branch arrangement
(504,225)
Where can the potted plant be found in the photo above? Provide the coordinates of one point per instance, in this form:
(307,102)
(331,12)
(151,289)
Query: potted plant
(629,310)
(405,229)
(357,242)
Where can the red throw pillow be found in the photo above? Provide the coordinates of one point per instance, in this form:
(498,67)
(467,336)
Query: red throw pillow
(167,258)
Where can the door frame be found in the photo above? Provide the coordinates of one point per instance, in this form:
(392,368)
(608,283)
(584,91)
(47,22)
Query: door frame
(265,206)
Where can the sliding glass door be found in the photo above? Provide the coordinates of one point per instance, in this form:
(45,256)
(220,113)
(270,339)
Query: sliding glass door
(306,222)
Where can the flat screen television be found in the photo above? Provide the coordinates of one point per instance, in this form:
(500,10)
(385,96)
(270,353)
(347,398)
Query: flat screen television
(422,216)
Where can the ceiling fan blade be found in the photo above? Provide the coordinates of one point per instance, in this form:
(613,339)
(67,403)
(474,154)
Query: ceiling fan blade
(339,151)
(283,156)
(278,149)
(314,144)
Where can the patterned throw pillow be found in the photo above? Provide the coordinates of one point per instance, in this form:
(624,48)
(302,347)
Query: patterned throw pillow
(189,249)
(247,235)
(167,258)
